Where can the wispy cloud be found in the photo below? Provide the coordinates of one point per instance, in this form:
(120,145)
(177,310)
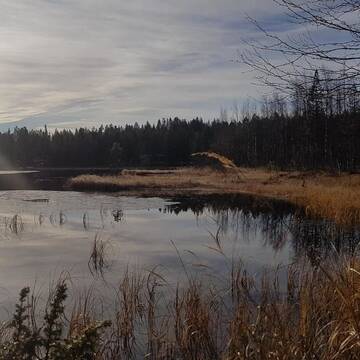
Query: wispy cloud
(72,62)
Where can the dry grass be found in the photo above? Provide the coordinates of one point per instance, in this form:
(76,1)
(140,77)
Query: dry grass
(315,316)
(336,197)
(179,179)
(339,203)
(215,160)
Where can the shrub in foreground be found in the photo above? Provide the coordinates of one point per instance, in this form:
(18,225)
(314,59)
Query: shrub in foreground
(47,342)
(316,315)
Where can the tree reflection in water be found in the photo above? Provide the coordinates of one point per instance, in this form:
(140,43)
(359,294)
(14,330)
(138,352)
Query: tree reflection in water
(278,221)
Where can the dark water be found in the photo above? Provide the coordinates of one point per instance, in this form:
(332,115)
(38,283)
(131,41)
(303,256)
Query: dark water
(45,179)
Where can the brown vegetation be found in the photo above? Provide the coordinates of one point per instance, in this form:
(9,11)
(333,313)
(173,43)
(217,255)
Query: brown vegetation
(215,161)
(315,315)
(333,196)
(175,181)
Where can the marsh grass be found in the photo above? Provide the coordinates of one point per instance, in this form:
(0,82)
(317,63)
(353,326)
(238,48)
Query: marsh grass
(339,203)
(188,178)
(315,316)
(328,196)
(98,262)
(320,194)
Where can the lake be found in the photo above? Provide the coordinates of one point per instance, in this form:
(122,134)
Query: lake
(44,234)
(46,178)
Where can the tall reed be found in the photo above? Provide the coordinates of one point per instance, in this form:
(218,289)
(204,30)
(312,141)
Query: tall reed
(315,315)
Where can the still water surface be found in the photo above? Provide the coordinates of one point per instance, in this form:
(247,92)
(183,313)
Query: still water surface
(54,232)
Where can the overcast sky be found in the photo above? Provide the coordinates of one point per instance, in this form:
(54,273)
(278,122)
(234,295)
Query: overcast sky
(70,63)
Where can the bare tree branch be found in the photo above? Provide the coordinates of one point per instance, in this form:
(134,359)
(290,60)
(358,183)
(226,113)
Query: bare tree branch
(281,60)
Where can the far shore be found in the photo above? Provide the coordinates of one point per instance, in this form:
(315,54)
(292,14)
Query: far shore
(320,194)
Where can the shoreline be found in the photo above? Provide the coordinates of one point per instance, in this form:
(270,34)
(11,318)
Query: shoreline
(319,194)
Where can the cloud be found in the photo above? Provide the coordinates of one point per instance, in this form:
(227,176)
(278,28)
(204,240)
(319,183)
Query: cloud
(85,62)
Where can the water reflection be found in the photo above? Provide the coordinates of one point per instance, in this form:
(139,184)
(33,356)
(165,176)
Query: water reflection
(278,222)
(320,239)
(204,234)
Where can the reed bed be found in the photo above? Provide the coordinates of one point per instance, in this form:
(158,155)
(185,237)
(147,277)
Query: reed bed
(331,196)
(316,315)
(339,203)
(179,179)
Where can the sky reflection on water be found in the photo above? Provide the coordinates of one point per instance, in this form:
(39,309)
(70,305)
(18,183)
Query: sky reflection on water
(56,232)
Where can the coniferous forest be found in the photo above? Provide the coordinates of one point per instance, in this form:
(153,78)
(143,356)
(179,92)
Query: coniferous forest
(320,130)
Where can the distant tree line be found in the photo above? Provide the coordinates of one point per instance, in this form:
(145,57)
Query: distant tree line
(321,131)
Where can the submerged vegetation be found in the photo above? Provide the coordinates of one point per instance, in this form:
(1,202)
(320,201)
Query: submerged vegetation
(97,262)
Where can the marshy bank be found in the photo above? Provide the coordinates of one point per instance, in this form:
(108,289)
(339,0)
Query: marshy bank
(324,195)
